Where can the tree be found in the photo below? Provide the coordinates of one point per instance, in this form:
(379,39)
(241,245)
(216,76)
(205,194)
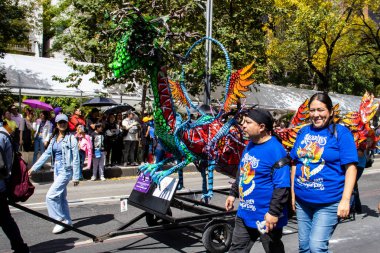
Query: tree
(14,26)
(313,34)
(368,27)
(86,34)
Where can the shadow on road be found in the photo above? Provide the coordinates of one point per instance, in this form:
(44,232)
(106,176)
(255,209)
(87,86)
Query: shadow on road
(174,239)
(367,211)
(56,245)
(93,220)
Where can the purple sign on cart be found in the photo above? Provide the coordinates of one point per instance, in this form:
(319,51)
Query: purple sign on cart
(143,183)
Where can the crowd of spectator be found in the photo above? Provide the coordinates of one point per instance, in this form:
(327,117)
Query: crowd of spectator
(104,140)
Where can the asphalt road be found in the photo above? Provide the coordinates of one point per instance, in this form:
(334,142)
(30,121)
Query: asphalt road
(95,208)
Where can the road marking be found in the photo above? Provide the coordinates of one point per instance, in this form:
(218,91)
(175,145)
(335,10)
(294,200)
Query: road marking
(371,171)
(287,231)
(116,238)
(338,240)
(96,200)
(73,203)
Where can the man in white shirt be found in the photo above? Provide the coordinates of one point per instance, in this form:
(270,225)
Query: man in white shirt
(130,140)
(17,117)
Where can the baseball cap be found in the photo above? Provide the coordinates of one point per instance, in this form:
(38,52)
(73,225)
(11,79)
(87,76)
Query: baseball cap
(57,110)
(61,117)
(146,119)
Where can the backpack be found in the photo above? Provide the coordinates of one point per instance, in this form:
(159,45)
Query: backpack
(4,173)
(19,186)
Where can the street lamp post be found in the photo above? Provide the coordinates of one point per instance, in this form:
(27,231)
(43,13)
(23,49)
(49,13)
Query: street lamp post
(208,52)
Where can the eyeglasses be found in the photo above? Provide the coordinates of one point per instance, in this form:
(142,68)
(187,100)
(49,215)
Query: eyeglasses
(62,122)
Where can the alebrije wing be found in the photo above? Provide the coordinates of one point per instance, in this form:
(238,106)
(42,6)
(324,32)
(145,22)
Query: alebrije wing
(239,82)
(358,122)
(178,94)
(288,135)
(352,120)
(367,109)
(336,111)
(302,115)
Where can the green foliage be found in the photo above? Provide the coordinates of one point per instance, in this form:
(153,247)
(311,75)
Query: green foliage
(13,23)
(6,98)
(13,27)
(320,35)
(312,42)
(68,104)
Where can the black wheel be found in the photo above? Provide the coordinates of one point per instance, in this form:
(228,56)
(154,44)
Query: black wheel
(153,220)
(217,237)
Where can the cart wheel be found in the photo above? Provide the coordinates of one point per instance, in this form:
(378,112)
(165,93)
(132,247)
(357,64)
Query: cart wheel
(153,220)
(217,237)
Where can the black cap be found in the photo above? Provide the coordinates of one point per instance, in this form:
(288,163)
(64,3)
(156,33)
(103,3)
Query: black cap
(261,116)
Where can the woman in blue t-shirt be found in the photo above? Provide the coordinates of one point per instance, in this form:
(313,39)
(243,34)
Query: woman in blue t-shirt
(323,175)
(262,190)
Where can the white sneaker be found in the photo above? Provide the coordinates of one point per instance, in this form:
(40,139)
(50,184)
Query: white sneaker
(58,228)
(102,178)
(93,178)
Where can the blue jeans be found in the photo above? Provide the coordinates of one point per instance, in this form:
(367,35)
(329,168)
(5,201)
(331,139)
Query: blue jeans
(82,157)
(38,147)
(56,202)
(316,224)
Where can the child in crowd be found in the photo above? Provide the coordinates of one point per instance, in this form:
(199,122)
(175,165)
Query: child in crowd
(98,152)
(85,148)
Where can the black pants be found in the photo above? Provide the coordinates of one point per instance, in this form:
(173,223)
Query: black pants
(145,151)
(117,151)
(10,227)
(244,238)
(129,151)
(357,202)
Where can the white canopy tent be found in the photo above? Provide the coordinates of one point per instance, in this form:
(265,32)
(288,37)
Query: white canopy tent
(33,76)
(281,98)
(29,75)
(289,98)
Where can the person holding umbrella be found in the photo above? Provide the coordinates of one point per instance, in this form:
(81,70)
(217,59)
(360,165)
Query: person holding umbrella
(63,148)
(92,120)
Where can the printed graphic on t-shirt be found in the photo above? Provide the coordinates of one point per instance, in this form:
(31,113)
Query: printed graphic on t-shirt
(98,141)
(246,182)
(310,153)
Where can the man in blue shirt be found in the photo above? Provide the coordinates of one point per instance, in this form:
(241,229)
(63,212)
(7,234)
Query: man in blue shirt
(262,190)
(7,222)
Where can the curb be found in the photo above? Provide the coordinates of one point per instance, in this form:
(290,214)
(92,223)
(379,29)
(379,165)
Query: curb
(47,175)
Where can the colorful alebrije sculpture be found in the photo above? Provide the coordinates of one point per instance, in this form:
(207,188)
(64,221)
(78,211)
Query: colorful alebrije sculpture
(357,122)
(209,142)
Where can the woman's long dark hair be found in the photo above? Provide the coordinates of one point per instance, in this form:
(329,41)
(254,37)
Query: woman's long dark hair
(46,114)
(56,132)
(325,98)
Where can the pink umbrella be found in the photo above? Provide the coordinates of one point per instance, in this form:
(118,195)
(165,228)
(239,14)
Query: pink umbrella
(38,104)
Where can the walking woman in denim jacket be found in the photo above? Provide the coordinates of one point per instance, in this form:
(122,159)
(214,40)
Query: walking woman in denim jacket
(63,149)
